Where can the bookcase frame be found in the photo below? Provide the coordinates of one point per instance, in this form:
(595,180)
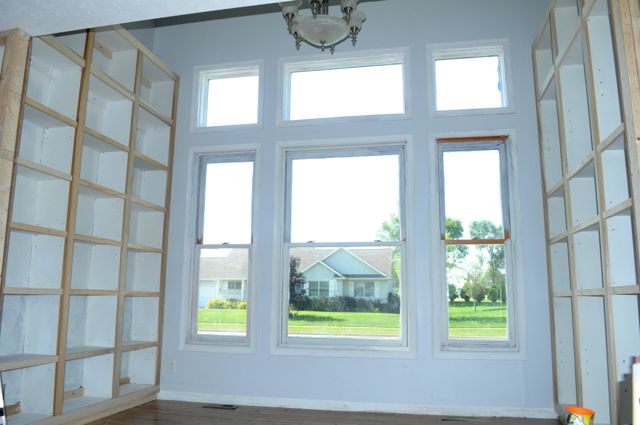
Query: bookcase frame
(591,208)
(81,256)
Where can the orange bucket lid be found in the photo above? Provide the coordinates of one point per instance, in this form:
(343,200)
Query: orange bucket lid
(580,410)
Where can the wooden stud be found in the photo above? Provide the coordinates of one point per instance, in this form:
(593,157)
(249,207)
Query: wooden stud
(77,393)
(71,225)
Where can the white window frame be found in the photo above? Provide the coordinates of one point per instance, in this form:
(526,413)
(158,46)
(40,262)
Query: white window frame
(189,339)
(281,343)
(319,284)
(287,66)
(443,347)
(201,77)
(472,49)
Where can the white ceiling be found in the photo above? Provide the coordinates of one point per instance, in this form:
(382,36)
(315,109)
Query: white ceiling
(39,17)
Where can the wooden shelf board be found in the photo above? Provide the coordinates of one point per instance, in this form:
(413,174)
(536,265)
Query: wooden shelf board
(43,169)
(137,345)
(26,418)
(615,210)
(85,351)
(81,402)
(553,189)
(16,290)
(62,48)
(562,55)
(37,229)
(51,112)
(21,361)
(133,388)
(558,238)
(625,290)
(150,109)
(610,139)
(586,224)
(581,165)
(89,292)
(142,294)
(151,161)
(147,204)
(106,139)
(593,292)
(144,248)
(103,189)
(562,294)
(546,82)
(100,75)
(94,239)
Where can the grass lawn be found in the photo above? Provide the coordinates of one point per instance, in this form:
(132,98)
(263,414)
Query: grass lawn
(490,320)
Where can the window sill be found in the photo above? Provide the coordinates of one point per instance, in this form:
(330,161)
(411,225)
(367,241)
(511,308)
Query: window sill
(342,120)
(472,112)
(219,128)
(241,346)
(497,351)
(343,349)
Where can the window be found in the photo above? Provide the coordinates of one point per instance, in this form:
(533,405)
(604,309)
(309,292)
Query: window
(223,247)
(344,242)
(361,86)
(475,233)
(365,289)
(228,96)
(318,289)
(234,285)
(470,78)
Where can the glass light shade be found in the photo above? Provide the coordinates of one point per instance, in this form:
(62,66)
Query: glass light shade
(357,18)
(321,30)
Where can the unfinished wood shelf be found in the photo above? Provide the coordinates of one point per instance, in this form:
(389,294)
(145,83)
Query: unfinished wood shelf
(85,245)
(588,152)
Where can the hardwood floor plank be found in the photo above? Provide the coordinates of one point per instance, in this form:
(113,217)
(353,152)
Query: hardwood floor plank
(179,413)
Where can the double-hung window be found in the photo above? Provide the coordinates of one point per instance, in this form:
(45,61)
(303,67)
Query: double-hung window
(343,248)
(476,240)
(223,249)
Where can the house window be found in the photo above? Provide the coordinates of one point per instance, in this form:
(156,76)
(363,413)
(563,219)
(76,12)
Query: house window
(234,285)
(470,78)
(344,230)
(350,87)
(223,247)
(318,288)
(365,289)
(228,96)
(476,240)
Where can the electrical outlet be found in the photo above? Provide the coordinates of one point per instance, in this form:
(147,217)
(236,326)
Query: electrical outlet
(172,365)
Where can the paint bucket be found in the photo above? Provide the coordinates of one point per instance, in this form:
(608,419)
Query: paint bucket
(579,415)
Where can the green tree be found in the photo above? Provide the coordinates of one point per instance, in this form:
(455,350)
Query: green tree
(493,293)
(476,282)
(453,292)
(484,229)
(390,231)
(465,292)
(296,279)
(453,229)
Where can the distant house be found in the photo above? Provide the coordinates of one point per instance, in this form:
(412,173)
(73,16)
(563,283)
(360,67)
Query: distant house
(360,273)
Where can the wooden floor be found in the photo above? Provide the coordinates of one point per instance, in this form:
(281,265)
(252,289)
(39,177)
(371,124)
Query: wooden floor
(177,413)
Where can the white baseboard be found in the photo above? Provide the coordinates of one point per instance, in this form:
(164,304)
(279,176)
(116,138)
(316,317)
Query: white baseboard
(294,403)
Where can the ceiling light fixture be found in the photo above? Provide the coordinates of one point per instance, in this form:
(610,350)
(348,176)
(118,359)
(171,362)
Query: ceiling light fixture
(321,29)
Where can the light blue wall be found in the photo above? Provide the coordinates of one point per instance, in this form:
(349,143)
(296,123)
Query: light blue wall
(421,381)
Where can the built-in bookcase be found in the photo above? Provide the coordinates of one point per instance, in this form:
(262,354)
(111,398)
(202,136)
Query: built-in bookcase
(85,246)
(590,186)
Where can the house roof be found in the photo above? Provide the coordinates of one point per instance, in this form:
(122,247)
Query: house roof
(234,265)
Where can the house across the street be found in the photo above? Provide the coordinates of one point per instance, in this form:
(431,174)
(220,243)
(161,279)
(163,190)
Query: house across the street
(328,272)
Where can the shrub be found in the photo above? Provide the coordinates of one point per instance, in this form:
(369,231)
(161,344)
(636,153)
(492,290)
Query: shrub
(453,292)
(301,302)
(364,305)
(230,304)
(493,293)
(393,303)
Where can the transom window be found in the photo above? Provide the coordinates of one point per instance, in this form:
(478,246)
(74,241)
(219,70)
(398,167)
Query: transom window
(475,233)
(344,241)
(223,248)
(228,96)
(470,78)
(361,86)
